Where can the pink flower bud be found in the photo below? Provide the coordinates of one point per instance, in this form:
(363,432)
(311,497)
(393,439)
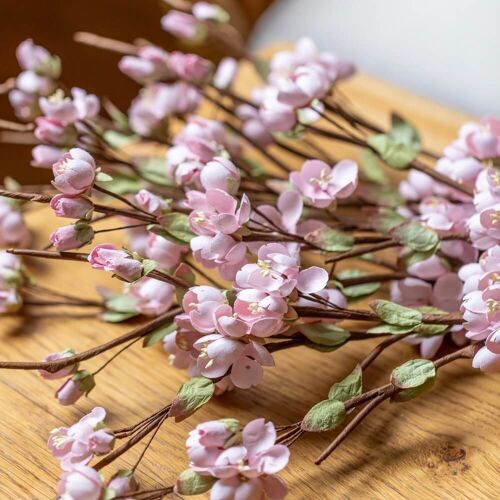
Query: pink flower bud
(63,372)
(31,83)
(13,230)
(153,297)
(225,73)
(206,11)
(80,483)
(110,258)
(71,208)
(45,156)
(87,105)
(72,236)
(166,253)
(25,105)
(82,382)
(221,174)
(123,483)
(190,67)
(150,202)
(182,25)
(151,65)
(36,58)
(54,132)
(75,172)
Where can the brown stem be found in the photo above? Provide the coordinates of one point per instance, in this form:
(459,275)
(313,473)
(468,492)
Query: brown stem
(103,42)
(372,278)
(375,353)
(16,127)
(54,366)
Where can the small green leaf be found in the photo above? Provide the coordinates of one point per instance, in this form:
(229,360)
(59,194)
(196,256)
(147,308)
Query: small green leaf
(190,482)
(117,140)
(405,133)
(192,395)
(103,177)
(123,184)
(325,335)
(117,317)
(414,377)
(331,240)
(177,225)
(121,303)
(158,335)
(416,236)
(152,169)
(372,169)
(394,314)
(324,416)
(85,380)
(148,265)
(349,387)
(356,291)
(393,329)
(386,195)
(386,219)
(262,67)
(395,154)
(429,330)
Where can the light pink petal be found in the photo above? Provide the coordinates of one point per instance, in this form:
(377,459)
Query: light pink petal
(258,435)
(312,280)
(290,205)
(246,373)
(274,459)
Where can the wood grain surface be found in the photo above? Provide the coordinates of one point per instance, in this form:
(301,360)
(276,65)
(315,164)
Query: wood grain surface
(443,445)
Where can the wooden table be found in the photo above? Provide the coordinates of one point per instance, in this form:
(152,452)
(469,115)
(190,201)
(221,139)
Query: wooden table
(443,445)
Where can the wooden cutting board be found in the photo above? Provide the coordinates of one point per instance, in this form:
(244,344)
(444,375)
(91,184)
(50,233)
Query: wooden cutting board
(442,445)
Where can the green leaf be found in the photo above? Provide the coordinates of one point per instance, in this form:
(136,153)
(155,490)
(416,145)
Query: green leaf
(117,317)
(158,335)
(85,380)
(262,66)
(331,240)
(372,169)
(429,330)
(394,329)
(416,236)
(117,140)
(324,416)
(382,195)
(405,133)
(325,335)
(148,265)
(177,225)
(153,170)
(190,482)
(349,387)
(356,291)
(123,184)
(414,376)
(394,314)
(192,395)
(103,177)
(395,154)
(121,303)
(386,219)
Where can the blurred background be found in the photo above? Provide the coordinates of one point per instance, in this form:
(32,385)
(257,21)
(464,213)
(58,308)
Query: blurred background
(446,50)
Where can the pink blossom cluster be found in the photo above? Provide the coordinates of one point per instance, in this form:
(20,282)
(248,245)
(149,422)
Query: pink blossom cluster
(13,229)
(245,463)
(11,278)
(481,307)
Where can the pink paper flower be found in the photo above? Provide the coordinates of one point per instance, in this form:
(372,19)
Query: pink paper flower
(36,58)
(72,236)
(221,174)
(253,126)
(206,11)
(179,345)
(150,65)
(190,67)
(275,115)
(75,172)
(123,484)
(216,212)
(45,156)
(484,140)
(30,82)
(153,297)
(75,387)
(80,483)
(59,108)
(416,186)
(71,207)
(321,185)
(484,227)
(181,25)
(200,304)
(13,230)
(54,132)
(486,360)
(63,372)
(166,253)
(150,202)
(110,258)
(77,445)
(25,105)
(225,73)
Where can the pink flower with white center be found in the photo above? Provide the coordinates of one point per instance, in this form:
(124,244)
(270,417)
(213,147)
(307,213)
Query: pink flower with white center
(245,464)
(191,67)
(166,253)
(37,58)
(484,228)
(484,141)
(206,11)
(77,445)
(242,361)
(216,212)
(54,132)
(30,82)
(275,115)
(183,165)
(463,170)
(200,304)
(153,297)
(74,173)
(179,345)
(45,156)
(445,295)
(225,73)
(59,108)
(442,215)
(72,236)
(63,372)
(416,186)
(478,275)
(262,313)
(157,101)
(10,269)
(221,252)
(150,202)
(150,65)
(277,272)
(481,310)
(25,105)
(303,86)
(119,262)
(80,483)
(87,105)
(221,173)
(10,300)
(253,126)
(13,229)
(287,213)
(486,360)
(321,185)
(71,207)
(182,25)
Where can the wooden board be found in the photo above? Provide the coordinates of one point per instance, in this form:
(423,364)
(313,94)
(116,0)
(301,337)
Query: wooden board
(443,445)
